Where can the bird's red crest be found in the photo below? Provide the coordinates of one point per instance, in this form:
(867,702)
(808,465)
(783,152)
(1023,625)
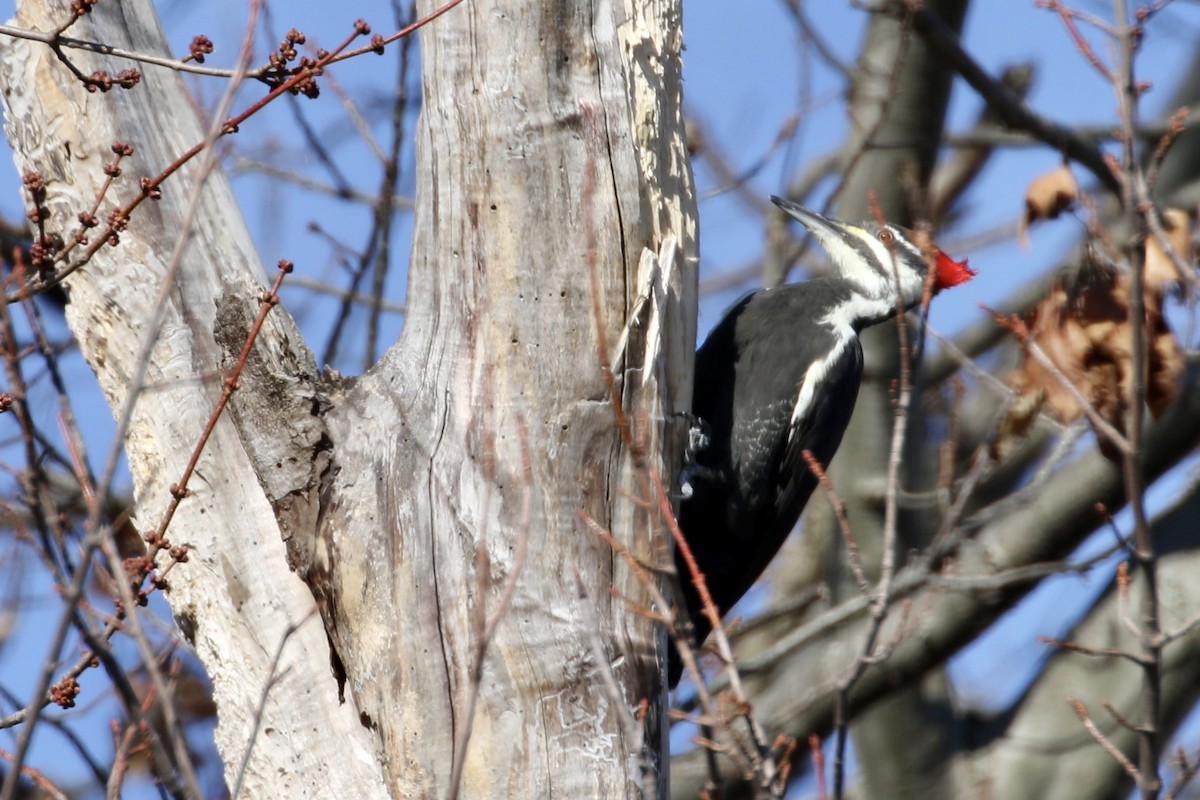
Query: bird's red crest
(951,272)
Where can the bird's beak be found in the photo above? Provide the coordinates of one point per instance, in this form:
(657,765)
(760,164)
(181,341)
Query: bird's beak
(834,236)
(847,245)
(824,229)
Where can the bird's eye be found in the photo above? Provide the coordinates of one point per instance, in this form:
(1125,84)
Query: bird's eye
(886,236)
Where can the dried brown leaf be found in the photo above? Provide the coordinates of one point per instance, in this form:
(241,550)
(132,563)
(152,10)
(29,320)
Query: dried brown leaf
(1048,195)
(1165,363)
(1087,336)
(1160,269)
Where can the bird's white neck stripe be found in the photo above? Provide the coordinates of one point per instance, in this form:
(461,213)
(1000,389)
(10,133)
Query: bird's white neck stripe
(846,319)
(856,312)
(814,376)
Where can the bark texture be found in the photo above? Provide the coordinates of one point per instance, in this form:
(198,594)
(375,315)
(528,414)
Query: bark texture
(554,187)
(550,155)
(235,597)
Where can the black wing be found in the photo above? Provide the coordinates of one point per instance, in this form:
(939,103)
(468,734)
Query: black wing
(750,376)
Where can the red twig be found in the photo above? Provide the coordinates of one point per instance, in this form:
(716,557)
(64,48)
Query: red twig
(405,31)
(1068,18)
(157,538)
(232,382)
(1081,711)
(54,39)
(118,220)
(37,777)
(818,762)
(839,512)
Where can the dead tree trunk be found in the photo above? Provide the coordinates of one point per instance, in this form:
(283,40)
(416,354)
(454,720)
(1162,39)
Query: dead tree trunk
(540,149)
(551,165)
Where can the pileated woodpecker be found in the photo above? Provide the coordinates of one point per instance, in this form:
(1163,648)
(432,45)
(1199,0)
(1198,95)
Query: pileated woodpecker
(777,376)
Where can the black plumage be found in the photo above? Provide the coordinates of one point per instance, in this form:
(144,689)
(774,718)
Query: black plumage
(751,483)
(779,375)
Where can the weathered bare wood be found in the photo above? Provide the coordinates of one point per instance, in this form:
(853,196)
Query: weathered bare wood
(536,172)
(551,156)
(236,596)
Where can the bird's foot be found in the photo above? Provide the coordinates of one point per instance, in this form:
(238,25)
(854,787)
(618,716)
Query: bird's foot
(699,438)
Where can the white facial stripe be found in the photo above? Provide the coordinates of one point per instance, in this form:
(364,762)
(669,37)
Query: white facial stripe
(869,265)
(898,258)
(913,253)
(883,256)
(854,264)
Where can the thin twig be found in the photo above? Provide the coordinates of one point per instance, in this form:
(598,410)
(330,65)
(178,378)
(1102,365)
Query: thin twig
(839,512)
(55,39)
(1095,652)
(52,39)
(150,187)
(1145,556)
(1067,16)
(274,676)
(1187,771)
(1081,711)
(881,598)
(485,625)
(356,298)
(132,624)
(1012,110)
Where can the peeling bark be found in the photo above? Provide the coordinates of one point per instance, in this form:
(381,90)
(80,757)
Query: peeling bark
(550,149)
